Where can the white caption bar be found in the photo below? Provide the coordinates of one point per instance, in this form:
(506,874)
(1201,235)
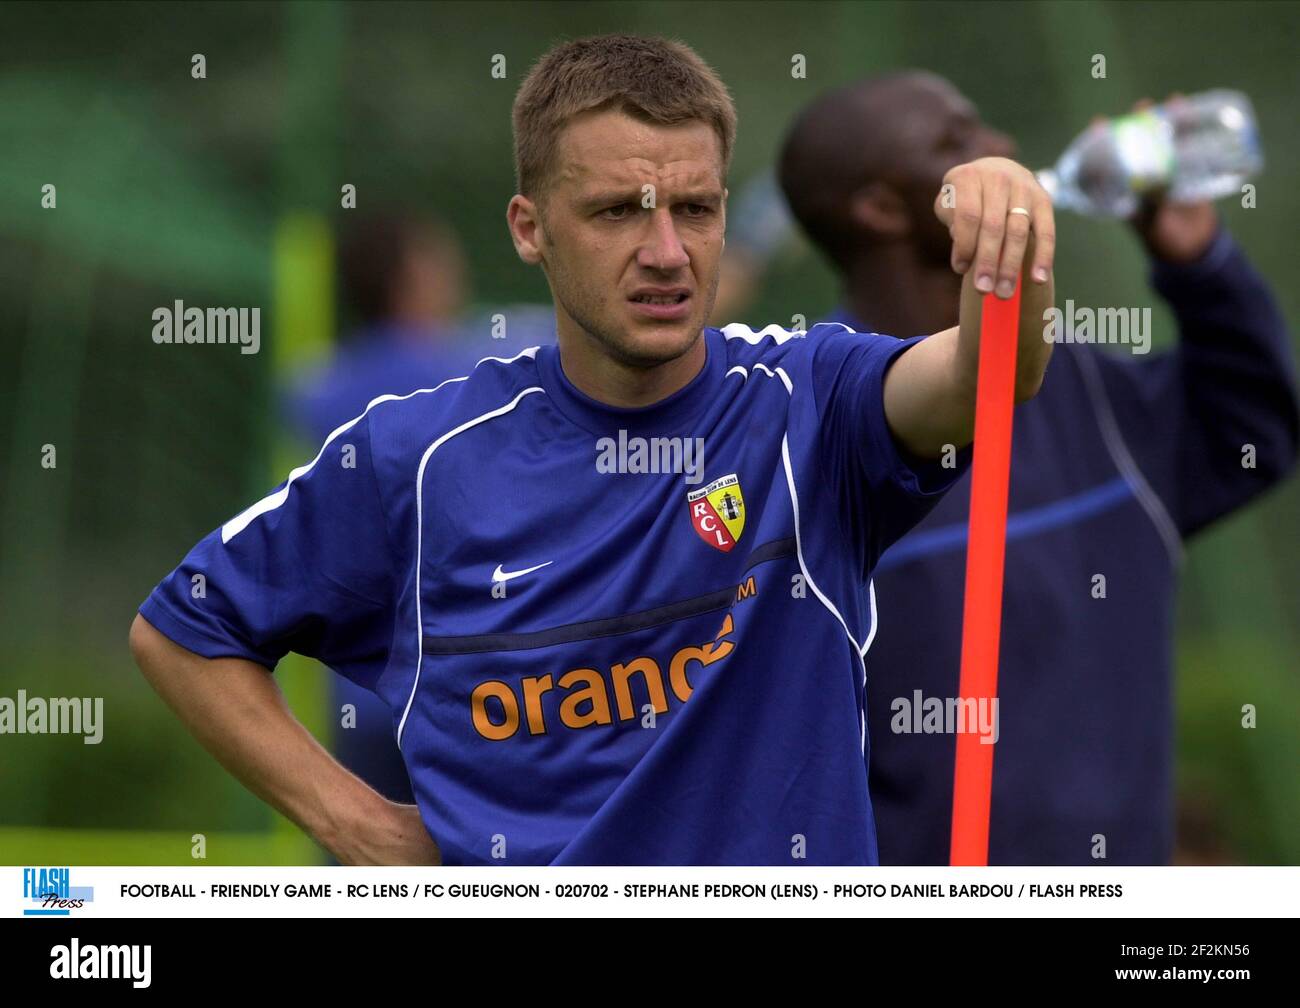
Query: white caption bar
(74,891)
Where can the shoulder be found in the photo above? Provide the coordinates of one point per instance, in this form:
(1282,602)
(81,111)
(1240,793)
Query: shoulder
(399,425)
(825,343)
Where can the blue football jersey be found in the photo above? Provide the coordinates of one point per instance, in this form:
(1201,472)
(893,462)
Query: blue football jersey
(606,635)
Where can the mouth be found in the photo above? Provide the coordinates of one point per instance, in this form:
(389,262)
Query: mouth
(666,306)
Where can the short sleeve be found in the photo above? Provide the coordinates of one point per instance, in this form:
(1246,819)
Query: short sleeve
(882,489)
(308,569)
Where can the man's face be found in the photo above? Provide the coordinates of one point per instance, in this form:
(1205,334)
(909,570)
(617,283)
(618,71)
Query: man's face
(630,234)
(932,128)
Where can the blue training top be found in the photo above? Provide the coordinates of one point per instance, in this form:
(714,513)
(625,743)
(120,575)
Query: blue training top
(537,624)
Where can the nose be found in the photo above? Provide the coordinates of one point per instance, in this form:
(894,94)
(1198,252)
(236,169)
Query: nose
(663,249)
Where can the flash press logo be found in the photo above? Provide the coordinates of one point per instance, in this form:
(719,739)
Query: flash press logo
(52,894)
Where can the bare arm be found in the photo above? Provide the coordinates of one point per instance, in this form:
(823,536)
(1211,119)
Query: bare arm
(235,710)
(930,390)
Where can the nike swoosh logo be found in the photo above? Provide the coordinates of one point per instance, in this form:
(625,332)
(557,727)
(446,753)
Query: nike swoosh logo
(500,575)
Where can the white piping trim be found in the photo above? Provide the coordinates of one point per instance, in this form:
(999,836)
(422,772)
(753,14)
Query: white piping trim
(419,535)
(1123,459)
(740,331)
(871,636)
(803,567)
(738,370)
(871,596)
(274,500)
(860,651)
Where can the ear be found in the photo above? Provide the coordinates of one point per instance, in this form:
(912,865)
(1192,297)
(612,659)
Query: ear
(877,208)
(526,231)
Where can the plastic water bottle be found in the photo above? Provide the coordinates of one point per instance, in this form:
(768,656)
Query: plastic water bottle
(1196,148)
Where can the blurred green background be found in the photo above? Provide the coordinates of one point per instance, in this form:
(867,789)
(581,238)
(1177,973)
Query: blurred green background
(224,191)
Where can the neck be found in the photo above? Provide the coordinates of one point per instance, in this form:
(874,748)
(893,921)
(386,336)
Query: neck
(592,370)
(895,290)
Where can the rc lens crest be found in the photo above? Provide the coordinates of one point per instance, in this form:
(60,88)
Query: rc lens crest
(718,512)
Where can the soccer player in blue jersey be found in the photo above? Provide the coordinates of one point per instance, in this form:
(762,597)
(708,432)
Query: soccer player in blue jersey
(612,590)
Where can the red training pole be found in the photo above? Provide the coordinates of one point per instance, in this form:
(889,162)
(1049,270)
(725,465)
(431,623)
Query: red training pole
(982,617)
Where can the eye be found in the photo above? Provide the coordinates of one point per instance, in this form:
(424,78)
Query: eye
(619,212)
(698,210)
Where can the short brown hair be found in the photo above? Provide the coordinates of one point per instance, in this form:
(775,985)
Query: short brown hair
(654,79)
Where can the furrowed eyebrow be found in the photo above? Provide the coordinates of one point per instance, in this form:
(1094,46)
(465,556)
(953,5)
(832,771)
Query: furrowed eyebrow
(611,198)
(704,197)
